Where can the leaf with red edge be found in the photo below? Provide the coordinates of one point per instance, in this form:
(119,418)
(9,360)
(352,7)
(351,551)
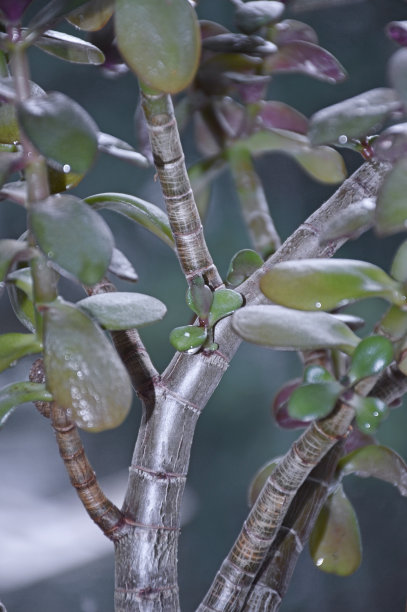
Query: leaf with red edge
(280,406)
(274,114)
(377,461)
(306,58)
(291,30)
(335,539)
(254,15)
(391,145)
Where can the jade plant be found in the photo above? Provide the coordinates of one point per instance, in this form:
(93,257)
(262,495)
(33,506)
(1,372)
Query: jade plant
(88,356)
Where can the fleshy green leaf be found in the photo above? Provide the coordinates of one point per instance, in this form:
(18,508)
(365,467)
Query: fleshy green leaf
(371,356)
(76,352)
(351,223)
(199,297)
(225,302)
(70,48)
(188,337)
(74,237)
(283,328)
(18,393)
(314,400)
(120,310)
(146,214)
(306,58)
(322,163)
(393,325)
(160,41)
(370,412)
(259,480)
(9,128)
(335,540)
(20,285)
(377,461)
(317,374)
(61,130)
(92,15)
(325,284)
(13,346)
(252,16)
(353,118)
(122,267)
(242,265)
(391,205)
(121,149)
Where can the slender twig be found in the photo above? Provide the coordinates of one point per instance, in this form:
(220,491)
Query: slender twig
(146,568)
(253,202)
(183,215)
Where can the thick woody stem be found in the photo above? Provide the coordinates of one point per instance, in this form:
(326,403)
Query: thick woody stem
(253,202)
(193,253)
(100,509)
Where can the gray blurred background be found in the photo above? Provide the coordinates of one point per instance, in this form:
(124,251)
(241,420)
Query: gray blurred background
(52,558)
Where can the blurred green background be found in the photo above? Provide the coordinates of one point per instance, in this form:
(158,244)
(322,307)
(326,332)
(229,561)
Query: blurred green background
(236,434)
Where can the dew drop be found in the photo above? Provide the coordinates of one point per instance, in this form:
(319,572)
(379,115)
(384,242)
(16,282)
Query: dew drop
(50,254)
(66,168)
(319,561)
(79,374)
(187,334)
(342,139)
(13,364)
(318,304)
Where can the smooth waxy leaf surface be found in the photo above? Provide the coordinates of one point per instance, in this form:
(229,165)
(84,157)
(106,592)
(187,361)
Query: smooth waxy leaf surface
(377,461)
(393,325)
(92,15)
(353,118)
(391,206)
(121,149)
(314,400)
(160,41)
(325,284)
(50,14)
(317,374)
(291,30)
(391,145)
(252,16)
(20,287)
(283,328)
(13,9)
(18,393)
(76,352)
(397,73)
(70,48)
(370,412)
(322,163)
(121,310)
(188,337)
(397,31)
(260,479)
(199,297)
(13,346)
(242,265)
(122,267)
(352,222)
(9,128)
(146,214)
(335,540)
(280,406)
(399,264)
(12,250)
(306,58)
(273,114)
(371,356)
(74,237)
(225,302)
(61,130)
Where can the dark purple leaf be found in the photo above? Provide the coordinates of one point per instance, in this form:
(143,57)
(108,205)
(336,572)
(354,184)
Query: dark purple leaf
(238,43)
(391,145)
(397,31)
(291,30)
(210,77)
(211,28)
(273,114)
(105,40)
(13,9)
(231,116)
(280,406)
(306,58)
(357,439)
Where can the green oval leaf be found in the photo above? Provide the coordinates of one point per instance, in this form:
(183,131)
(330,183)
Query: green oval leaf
(146,214)
(76,352)
(225,302)
(13,346)
(283,328)
(335,540)
(122,267)
(399,264)
(259,480)
(371,356)
(199,297)
(391,206)
(73,237)
(377,461)
(188,337)
(325,284)
(160,41)
(242,265)
(314,400)
(353,118)
(393,325)
(317,374)
(370,412)
(61,130)
(70,48)
(122,150)
(322,163)
(92,15)
(120,310)
(18,393)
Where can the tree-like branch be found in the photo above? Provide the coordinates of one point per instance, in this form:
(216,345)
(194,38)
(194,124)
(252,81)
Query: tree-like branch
(146,574)
(183,215)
